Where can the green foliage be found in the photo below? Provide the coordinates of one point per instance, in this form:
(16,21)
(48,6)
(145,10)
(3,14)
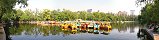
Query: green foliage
(150,13)
(6,7)
(46,14)
(28,15)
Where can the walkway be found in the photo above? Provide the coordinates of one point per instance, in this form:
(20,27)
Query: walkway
(156,36)
(2,33)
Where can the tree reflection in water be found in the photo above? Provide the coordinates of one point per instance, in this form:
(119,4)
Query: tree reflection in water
(29,29)
(123,27)
(35,30)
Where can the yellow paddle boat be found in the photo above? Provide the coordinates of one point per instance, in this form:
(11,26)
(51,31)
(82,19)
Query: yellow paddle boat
(64,26)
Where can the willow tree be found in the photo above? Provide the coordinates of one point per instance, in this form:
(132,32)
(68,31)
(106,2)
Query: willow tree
(6,6)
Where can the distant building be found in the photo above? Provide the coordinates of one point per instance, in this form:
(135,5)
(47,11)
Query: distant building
(132,12)
(122,13)
(89,10)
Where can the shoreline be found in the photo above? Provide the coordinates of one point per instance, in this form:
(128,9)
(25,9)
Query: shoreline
(35,22)
(2,33)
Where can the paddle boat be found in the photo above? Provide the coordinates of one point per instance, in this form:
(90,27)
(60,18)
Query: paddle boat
(90,30)
(109,26)
(96,31)
(96,26)
(106,32)
(84,27)
(64,26)
(90,25)
(105,26)
(74,29)
(69,25)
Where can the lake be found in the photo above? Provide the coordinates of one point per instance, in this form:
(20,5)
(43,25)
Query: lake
(120,31)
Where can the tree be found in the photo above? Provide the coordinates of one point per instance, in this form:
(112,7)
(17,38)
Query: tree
(83,15)
(150,13)
(6,6)
(65,15)
(46,14)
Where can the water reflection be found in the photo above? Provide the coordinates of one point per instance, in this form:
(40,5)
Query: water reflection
(124,27)
(27,29)
(36,31)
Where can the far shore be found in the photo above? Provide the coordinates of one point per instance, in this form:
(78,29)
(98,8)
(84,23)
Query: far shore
(35,22)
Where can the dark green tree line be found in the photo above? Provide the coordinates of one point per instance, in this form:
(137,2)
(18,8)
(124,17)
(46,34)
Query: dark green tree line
(67,15)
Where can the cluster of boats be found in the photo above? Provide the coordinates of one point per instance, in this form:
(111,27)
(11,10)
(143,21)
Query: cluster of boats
(86,26)
(74,26)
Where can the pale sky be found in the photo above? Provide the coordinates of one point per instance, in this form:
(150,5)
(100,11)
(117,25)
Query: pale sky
(80,5)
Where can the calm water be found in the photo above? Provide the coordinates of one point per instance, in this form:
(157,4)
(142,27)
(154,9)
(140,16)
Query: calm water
(120,31)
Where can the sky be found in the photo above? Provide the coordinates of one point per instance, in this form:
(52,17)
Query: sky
(80,5)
